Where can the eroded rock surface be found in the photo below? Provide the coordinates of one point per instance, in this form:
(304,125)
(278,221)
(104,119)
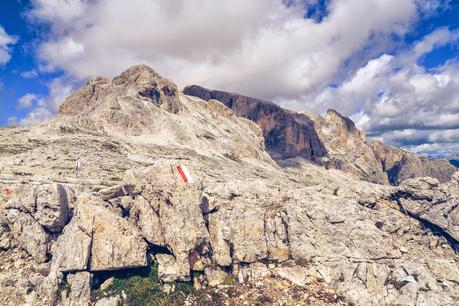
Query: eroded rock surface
(302,233)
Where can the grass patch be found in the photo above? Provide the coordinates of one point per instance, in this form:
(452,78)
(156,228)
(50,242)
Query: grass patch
(228,281)
(142,287)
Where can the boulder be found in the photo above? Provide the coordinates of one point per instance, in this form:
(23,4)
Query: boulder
(170,269)
(147,219)
(52,207)
(215,276)
(28,232)
(109,301)
(238,234)
(73,247)
(116,243)
(98,239)
(80,289)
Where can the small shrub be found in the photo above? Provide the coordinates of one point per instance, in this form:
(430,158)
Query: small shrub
(228,280)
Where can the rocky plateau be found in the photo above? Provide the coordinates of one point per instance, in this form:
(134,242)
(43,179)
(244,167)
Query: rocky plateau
(285,209)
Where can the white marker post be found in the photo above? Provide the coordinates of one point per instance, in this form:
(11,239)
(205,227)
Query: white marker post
(77,167)
(185,174)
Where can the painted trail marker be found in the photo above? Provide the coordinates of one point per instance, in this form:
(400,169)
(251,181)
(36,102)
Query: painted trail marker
(185,174)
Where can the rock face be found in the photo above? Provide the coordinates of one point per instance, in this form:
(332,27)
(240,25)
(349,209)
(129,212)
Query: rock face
(348,148)
(427,200)
(332,141)
(40,209)
(401,165)
(286,134)
(244,220)
(99,234)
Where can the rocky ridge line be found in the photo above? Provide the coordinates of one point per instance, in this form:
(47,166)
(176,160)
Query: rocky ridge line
(332,141)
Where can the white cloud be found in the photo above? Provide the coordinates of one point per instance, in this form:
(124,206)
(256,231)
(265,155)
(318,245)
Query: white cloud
(12,121)
(44,108)
(27,100)
(30,74)
(5,42)
(395,99)
(260,47)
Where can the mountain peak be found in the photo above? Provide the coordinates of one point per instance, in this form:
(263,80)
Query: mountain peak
(137,82)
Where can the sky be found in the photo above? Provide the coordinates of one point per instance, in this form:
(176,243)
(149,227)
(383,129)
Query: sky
(390,65)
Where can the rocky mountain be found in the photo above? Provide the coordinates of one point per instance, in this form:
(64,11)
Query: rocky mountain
(401,165)
(93,209)
(332,141)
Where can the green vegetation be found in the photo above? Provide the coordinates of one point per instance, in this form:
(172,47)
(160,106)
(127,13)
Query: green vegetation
(228,280)
(142,287)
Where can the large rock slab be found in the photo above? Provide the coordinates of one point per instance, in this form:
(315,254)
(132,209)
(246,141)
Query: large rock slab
(73,247)
(429,201)
(116,243)
(97,239)
(28,232)
(169,215)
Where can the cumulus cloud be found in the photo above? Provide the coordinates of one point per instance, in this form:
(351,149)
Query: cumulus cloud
(399,101)
(263,47)
(267,49)
(27,100)
(5,46)
(29,74)
(42,108)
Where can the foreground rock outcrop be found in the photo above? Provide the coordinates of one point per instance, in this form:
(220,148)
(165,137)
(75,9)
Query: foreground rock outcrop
(302,233)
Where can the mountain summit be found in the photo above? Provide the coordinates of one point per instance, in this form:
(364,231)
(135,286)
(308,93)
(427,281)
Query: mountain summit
(137,193)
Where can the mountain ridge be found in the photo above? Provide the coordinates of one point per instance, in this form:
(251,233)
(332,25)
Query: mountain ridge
(371,165)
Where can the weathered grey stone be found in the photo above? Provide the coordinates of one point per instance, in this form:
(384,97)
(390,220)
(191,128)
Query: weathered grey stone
(116,243)
(170,269)
(438,205)
(147,220)
(241,230)
(73,247)
(80,289)
(109,301)
(295,275)
(52,207)
(215,276)
(28,232)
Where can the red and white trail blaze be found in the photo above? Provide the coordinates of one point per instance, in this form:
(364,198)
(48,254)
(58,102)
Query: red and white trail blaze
(185,174)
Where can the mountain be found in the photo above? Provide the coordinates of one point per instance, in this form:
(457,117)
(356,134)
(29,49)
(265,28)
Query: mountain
(331,141)
(94,209)
(401,165)
(455,162)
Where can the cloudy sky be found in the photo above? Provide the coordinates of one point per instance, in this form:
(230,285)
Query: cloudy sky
(391,65)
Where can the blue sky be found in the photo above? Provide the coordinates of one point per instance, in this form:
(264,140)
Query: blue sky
(390,65)
(13,75)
